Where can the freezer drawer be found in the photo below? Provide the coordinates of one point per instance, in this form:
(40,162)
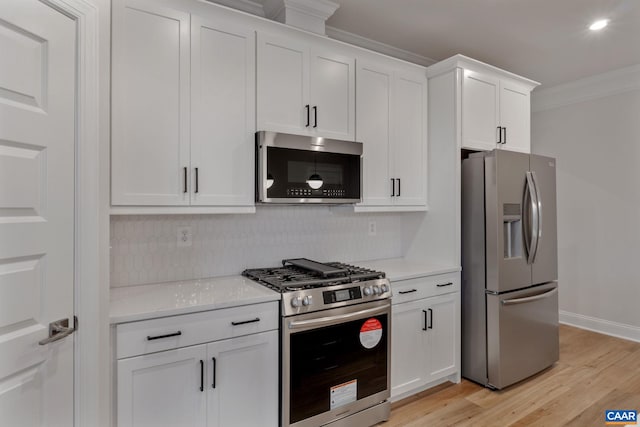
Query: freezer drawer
(522,333)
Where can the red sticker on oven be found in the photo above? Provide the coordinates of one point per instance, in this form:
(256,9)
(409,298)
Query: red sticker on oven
(370,333)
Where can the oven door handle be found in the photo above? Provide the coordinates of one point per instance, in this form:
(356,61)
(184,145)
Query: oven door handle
(332,320)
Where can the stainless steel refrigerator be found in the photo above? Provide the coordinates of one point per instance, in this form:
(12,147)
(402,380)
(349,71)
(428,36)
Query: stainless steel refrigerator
(509,267)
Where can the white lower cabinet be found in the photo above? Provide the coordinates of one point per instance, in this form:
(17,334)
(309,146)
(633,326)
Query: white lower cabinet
(425,341)
(162,389)
(244,372)
(208,384)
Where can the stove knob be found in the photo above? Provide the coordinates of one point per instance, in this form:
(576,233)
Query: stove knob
(307,300)
(376,290)
(295,302)
(384,288)
(367,291)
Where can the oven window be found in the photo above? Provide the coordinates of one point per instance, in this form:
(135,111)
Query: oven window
(335,175)
(323,359)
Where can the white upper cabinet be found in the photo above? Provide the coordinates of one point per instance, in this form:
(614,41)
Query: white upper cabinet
(373,129)
(515,116)
(150,104)
(495,105)
(410,138)
(305,88)
(183,103)
(391,123)
(223,113)
(480,111)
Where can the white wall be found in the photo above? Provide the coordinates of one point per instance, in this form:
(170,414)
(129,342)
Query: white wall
(144,248)
(595,136)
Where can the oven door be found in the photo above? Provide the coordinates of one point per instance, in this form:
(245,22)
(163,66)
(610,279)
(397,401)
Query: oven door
(335,363)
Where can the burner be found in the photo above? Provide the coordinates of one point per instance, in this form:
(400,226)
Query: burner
(297,274)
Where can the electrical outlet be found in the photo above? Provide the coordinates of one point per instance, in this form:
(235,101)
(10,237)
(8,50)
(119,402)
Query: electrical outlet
(372,228)
(184,237)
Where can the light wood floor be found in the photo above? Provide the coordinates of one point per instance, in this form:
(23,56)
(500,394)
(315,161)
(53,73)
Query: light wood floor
(595,372)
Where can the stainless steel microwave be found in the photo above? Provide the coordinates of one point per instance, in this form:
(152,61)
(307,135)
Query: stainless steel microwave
(294,169)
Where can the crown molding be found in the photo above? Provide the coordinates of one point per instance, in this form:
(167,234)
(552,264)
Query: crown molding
(249,6)
(366,43)
(606,84)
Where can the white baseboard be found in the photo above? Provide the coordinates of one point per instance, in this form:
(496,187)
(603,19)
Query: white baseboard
(607,327)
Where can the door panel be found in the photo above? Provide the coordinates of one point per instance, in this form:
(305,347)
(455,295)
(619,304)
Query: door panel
(374,130)
(408,347)
(283,85)
(505,176)
(545,265)
(332,91)
(410,139)
(522,333)
(480,111)
(150,92)
(163,389)
(442,334)
(246,373)
(223,112)
(515,116)
(37,168)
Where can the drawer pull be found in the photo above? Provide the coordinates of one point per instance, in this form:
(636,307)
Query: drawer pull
(157,337)
(244,322)
(408,292)
(442,285)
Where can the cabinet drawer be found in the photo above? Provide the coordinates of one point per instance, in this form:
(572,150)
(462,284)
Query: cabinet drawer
(166,333)
(423,287)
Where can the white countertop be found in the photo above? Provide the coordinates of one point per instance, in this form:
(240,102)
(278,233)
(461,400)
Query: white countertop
(402,269)
(131,303)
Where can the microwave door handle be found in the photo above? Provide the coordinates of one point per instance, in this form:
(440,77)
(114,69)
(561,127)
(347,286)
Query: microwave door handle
(533,233)
(332,320)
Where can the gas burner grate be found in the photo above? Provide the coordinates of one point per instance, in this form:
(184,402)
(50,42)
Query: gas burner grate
(291,278)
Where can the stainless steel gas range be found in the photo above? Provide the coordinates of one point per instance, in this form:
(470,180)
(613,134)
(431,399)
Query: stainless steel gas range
(335,342)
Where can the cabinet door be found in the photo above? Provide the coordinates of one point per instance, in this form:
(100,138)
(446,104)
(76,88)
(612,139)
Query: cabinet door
(150,104)
(283,85)
(443,335)
(243,381)
(223,113)
(332,95)
(373,129)
(162,389)
(408,351)
(515,116)
(409,145)
(480,113)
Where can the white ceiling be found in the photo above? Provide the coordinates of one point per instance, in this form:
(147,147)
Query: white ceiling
(545,40)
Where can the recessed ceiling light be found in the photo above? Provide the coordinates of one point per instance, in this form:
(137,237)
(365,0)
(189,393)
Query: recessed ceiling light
(599,24)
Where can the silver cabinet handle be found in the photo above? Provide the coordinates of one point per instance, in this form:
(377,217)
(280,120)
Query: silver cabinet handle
(530,299)
(58,330)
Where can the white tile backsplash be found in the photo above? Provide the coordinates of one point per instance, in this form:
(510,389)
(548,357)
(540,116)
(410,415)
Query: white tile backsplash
(144,248)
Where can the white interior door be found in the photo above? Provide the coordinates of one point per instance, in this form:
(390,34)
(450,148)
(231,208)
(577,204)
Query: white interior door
(37,144)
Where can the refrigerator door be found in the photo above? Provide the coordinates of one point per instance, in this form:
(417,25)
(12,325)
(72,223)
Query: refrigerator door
(545,263)
(522,333)
(506,258)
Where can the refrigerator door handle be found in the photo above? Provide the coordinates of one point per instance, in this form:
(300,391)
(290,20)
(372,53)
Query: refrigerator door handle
(539,209)
(531,238)
(530,299)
